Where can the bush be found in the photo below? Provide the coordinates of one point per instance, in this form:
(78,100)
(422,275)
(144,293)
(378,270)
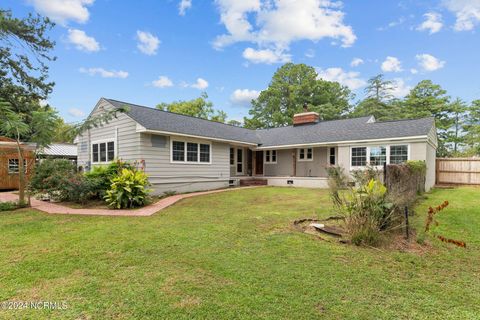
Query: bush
(128,190)
(367,213)
(363,176)
(101,176)
(79,189)
(8,206)
(405,182)
(51,178)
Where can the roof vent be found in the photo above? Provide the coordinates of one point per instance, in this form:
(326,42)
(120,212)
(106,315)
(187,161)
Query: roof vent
(305,117)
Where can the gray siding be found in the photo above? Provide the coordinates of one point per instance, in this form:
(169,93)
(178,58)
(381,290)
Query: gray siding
(315,168)
(284,165)
(182,177)
(121,130)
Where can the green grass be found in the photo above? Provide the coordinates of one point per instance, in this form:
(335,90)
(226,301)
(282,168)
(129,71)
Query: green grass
(234,255)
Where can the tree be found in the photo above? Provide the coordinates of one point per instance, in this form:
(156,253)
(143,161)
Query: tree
(64,132)
(199,107)
(41,128)
(379,100)
(455,135)
(427,99)
(234,123)
(472,128)
(292,86)
(24,54)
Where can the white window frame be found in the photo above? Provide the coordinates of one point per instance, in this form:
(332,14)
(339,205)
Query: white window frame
(387,147)
(236,160)
(185,152)
(106,141)
(330,154)
(305,152)
(270,156)
(230,154)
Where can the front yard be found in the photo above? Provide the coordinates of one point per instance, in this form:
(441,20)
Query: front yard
(235,255)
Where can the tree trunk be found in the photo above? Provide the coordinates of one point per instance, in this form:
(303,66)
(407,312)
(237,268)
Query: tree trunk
(21,174)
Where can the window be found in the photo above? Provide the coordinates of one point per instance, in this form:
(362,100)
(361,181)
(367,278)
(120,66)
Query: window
(178,151)
(271,156)
(398,154)
(103,151)
(204,153)
(378,156)
(305,154)
(331,156)
(239,161)
(13,166)
(232,156)
(359,157)
(190,152)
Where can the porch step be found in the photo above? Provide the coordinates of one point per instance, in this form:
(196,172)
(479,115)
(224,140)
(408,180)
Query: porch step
(253,182)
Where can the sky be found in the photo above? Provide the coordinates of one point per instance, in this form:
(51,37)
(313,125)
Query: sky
(152,51)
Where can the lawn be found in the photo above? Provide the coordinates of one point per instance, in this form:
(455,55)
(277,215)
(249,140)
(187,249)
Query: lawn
(234,255)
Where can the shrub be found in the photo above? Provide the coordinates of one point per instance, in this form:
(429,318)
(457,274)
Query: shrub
(367,212)
(363,176)
(405,182)
(337,180)
(51,178)
(128,190)
(101,176)
(80,189)
(8,206)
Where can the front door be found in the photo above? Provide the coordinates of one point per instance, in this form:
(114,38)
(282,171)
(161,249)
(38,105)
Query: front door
(259,162)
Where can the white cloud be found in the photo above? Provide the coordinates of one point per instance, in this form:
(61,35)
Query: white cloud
(391,64)
(77,113)
(433,23)
(244,96)
(104,73)
(401,88)
(413,71)
(265,56)
(429,62)
(147,42)
(310,53)
(278,23)
(467,13)
(61,11)
(183,6)
(81,41)
(356,62)
(350,79)
(162,82)
(201,84)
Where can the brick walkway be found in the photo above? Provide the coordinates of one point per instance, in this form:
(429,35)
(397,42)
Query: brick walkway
(55,208)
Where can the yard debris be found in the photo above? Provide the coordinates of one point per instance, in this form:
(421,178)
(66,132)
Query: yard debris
(315,227)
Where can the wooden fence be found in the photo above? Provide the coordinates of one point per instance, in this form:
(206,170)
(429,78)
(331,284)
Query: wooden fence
(458,171)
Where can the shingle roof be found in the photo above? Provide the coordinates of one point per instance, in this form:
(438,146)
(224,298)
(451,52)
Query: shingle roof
(322,132)
(155,119)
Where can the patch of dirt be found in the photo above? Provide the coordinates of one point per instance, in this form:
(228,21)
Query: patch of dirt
(398,242)
(332,229)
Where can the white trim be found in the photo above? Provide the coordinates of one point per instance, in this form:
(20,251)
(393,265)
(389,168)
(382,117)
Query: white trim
(271,154)
(368,148)
(329,154)
(308,145)
(236,161)
(305,153)
(141,129)
(185,142)
(106,141)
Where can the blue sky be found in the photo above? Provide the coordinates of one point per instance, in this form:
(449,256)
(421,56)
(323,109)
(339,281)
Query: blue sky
(153,51)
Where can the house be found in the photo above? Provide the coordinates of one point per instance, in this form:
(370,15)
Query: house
(182,153)
(9,163)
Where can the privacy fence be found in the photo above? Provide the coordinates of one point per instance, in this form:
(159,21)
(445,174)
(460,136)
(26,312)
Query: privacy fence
(458,171)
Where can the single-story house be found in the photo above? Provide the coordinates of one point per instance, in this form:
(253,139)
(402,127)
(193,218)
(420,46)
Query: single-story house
(67,151)
(182,153)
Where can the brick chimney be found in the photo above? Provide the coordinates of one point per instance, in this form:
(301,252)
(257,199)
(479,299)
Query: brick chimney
(305,117)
